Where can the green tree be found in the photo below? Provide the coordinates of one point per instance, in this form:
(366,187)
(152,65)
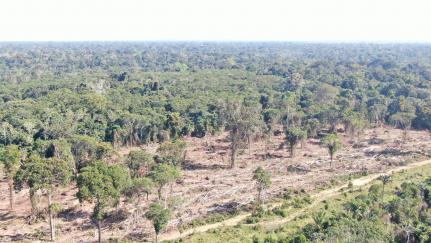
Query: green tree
(354,124)
(163,174)
(139,186)
(293,136)
(86,149)
(174,124)
(159,216)
(385,179)
(139,163)
(44,175)
(242,123)
(333,144)
(263,180)
(402,120)
(101,184)
(172,152)
(11,158)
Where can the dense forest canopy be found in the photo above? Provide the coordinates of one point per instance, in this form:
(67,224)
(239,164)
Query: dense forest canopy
(131,93)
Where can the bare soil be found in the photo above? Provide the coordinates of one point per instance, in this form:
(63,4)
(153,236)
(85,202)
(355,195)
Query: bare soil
(208,186)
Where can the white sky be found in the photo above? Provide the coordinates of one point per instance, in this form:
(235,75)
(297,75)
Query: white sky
(284,20)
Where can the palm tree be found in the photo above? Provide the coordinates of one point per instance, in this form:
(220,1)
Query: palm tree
(385,179)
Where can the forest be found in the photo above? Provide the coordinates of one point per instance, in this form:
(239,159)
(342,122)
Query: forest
(113,127)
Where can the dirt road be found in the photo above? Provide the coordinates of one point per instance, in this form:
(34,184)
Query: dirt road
(318,197)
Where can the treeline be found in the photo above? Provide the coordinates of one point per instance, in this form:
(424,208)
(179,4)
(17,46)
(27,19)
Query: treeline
(124,103)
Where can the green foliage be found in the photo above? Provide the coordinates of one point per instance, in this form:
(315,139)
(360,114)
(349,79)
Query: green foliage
(100,98)
(86,149)
(10,156)
(103,184)
(402,119)
(163,174)
(139,163)
(139,186)
(243,121)
(263,180)
(43,173)
(159,215)
(332,143)
(171,152)
(293,136)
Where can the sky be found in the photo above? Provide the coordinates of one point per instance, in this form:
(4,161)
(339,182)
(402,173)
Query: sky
(217,20)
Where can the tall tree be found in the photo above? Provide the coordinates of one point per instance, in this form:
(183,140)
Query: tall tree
(101,184)
(163,174)
(139,163)
(241,122)
(293,136)
(333,144)
(44,175)
(402,120)
(263,180)
(385,179)
(11,158)
(160,217)
(171,152)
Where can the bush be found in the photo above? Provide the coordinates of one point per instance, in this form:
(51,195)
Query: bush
(279,211)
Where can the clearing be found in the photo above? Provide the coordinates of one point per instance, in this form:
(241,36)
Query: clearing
(208,187)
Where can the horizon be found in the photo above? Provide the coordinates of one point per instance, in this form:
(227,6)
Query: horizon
(332,21)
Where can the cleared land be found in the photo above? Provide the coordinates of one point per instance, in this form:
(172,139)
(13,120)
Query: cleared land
(208,187)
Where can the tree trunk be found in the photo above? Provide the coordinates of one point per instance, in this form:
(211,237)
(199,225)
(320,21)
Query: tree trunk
(233,156)
(331,155)
(292,152)
(159,193)
(33,200)
(10,184)
(99,230)
(157,238)
(165,201)
(259,191)
(51,220)
(383,191)
(249,145)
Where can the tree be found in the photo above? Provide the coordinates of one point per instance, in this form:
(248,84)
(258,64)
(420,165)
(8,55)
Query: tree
(163,174)
(263,180)
(253,124)
(241,122)
(385,179)
(160,217)
(86,149)
(139,163)
(11,158)
(333,144)
(140,185)
(293,136)
(270,119)
(45,175)
(402,120)
(171,152)
(354,124)
(174,124)
(102,184)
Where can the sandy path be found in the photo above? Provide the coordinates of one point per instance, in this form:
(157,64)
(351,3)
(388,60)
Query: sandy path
(317,198)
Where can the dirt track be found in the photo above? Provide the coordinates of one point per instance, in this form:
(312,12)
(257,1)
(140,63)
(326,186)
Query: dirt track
(317,198)
(207,186)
